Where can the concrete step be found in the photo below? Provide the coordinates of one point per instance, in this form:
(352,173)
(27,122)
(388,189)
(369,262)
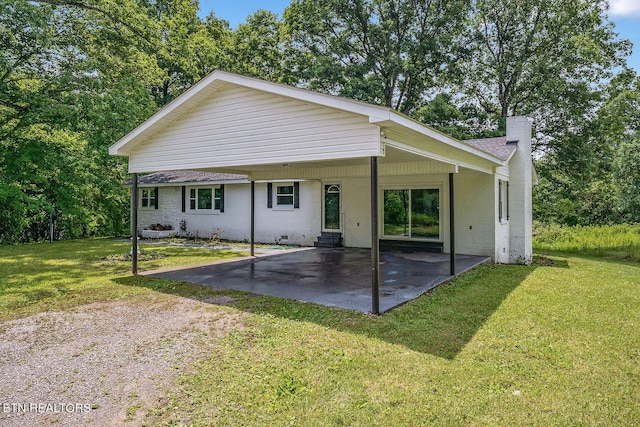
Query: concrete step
(328,240)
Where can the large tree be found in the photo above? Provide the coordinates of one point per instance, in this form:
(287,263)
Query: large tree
(545,59)
(389,52)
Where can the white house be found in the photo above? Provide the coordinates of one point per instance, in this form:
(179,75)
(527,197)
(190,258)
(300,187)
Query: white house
(313,162)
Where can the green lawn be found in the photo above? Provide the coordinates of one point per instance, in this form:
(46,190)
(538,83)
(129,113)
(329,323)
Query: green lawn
(43,276)
(555,343)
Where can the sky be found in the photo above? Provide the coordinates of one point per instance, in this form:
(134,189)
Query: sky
(625,14)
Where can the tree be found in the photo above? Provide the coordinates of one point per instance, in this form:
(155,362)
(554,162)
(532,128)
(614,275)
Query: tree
(259,49)
(547,60)
(378,51)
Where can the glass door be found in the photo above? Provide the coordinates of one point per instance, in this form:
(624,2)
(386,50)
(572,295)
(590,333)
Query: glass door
(412,213)
(331,218)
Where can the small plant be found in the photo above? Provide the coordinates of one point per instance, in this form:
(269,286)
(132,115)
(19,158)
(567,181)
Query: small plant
(216,236)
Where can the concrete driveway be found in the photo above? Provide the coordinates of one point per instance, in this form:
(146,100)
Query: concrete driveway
(338,277)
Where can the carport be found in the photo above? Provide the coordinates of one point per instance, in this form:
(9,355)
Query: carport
(331,277)
(269,132)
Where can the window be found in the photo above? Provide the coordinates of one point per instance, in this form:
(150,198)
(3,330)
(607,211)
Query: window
(148,198)
(412,213)
(503,200)
(287,196)
(284,195)
(203,199)
(217,198)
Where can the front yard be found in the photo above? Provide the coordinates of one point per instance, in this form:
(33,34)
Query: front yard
(555,343)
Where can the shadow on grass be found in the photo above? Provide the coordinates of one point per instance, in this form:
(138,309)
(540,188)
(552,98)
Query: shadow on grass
(440,322)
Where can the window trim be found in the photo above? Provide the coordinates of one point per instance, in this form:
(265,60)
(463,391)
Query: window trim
(291,195)
(273,195)
(152,202)
(191,195)
(503,202)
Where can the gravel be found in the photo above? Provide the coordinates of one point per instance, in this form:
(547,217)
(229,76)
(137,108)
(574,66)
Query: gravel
(106,363)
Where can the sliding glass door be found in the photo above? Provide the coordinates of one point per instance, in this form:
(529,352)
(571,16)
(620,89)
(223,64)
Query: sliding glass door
(412,213)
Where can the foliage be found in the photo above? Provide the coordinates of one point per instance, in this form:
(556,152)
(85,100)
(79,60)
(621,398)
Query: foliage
(383,52)
(76,75)
(542,59)
(616,241)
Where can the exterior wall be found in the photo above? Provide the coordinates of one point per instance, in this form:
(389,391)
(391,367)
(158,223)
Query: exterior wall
(356,206)
(474,213)
(301,226)
(242,126)
(478,230)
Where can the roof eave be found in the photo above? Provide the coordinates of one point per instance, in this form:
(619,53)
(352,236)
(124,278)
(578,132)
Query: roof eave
(407,122)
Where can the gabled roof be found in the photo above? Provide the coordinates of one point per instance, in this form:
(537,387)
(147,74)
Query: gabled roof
(182,177)
(498,146)
(217,80)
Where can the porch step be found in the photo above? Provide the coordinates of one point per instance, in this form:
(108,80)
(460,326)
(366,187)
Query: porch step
(411,246)
(328,240)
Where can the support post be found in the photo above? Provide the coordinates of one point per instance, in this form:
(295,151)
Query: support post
(253,217)
(134,224)
(452,229)
(375,248)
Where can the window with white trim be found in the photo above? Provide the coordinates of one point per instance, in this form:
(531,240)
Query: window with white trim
(284,195)
(411,213)
(206,199)
(148,198)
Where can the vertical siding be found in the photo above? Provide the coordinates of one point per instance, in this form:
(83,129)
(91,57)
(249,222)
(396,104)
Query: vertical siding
(240,126)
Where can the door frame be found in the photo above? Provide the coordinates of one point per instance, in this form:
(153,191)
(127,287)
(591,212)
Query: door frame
(340,229)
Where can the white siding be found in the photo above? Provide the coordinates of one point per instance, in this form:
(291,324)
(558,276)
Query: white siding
(241,126)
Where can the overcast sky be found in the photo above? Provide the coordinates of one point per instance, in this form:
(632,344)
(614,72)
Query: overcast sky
(624,13)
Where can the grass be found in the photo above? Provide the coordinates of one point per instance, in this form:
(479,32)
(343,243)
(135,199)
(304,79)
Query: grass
(43,277)
(611,241)
(555,343)
(507,345)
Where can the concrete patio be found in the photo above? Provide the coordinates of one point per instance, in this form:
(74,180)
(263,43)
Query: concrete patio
(333,277)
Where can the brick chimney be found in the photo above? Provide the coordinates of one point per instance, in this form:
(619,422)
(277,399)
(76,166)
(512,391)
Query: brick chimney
(520,186)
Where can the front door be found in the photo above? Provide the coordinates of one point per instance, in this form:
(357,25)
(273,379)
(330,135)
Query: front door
(332,217)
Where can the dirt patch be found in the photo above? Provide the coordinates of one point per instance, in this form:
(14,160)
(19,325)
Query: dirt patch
(105,363)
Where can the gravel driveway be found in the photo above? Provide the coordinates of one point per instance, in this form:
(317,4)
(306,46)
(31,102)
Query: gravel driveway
(103,364)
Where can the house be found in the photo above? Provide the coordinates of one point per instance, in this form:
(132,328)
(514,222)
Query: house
(303,163)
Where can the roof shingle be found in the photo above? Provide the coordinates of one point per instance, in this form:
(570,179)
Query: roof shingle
(180,177)
(497,146)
